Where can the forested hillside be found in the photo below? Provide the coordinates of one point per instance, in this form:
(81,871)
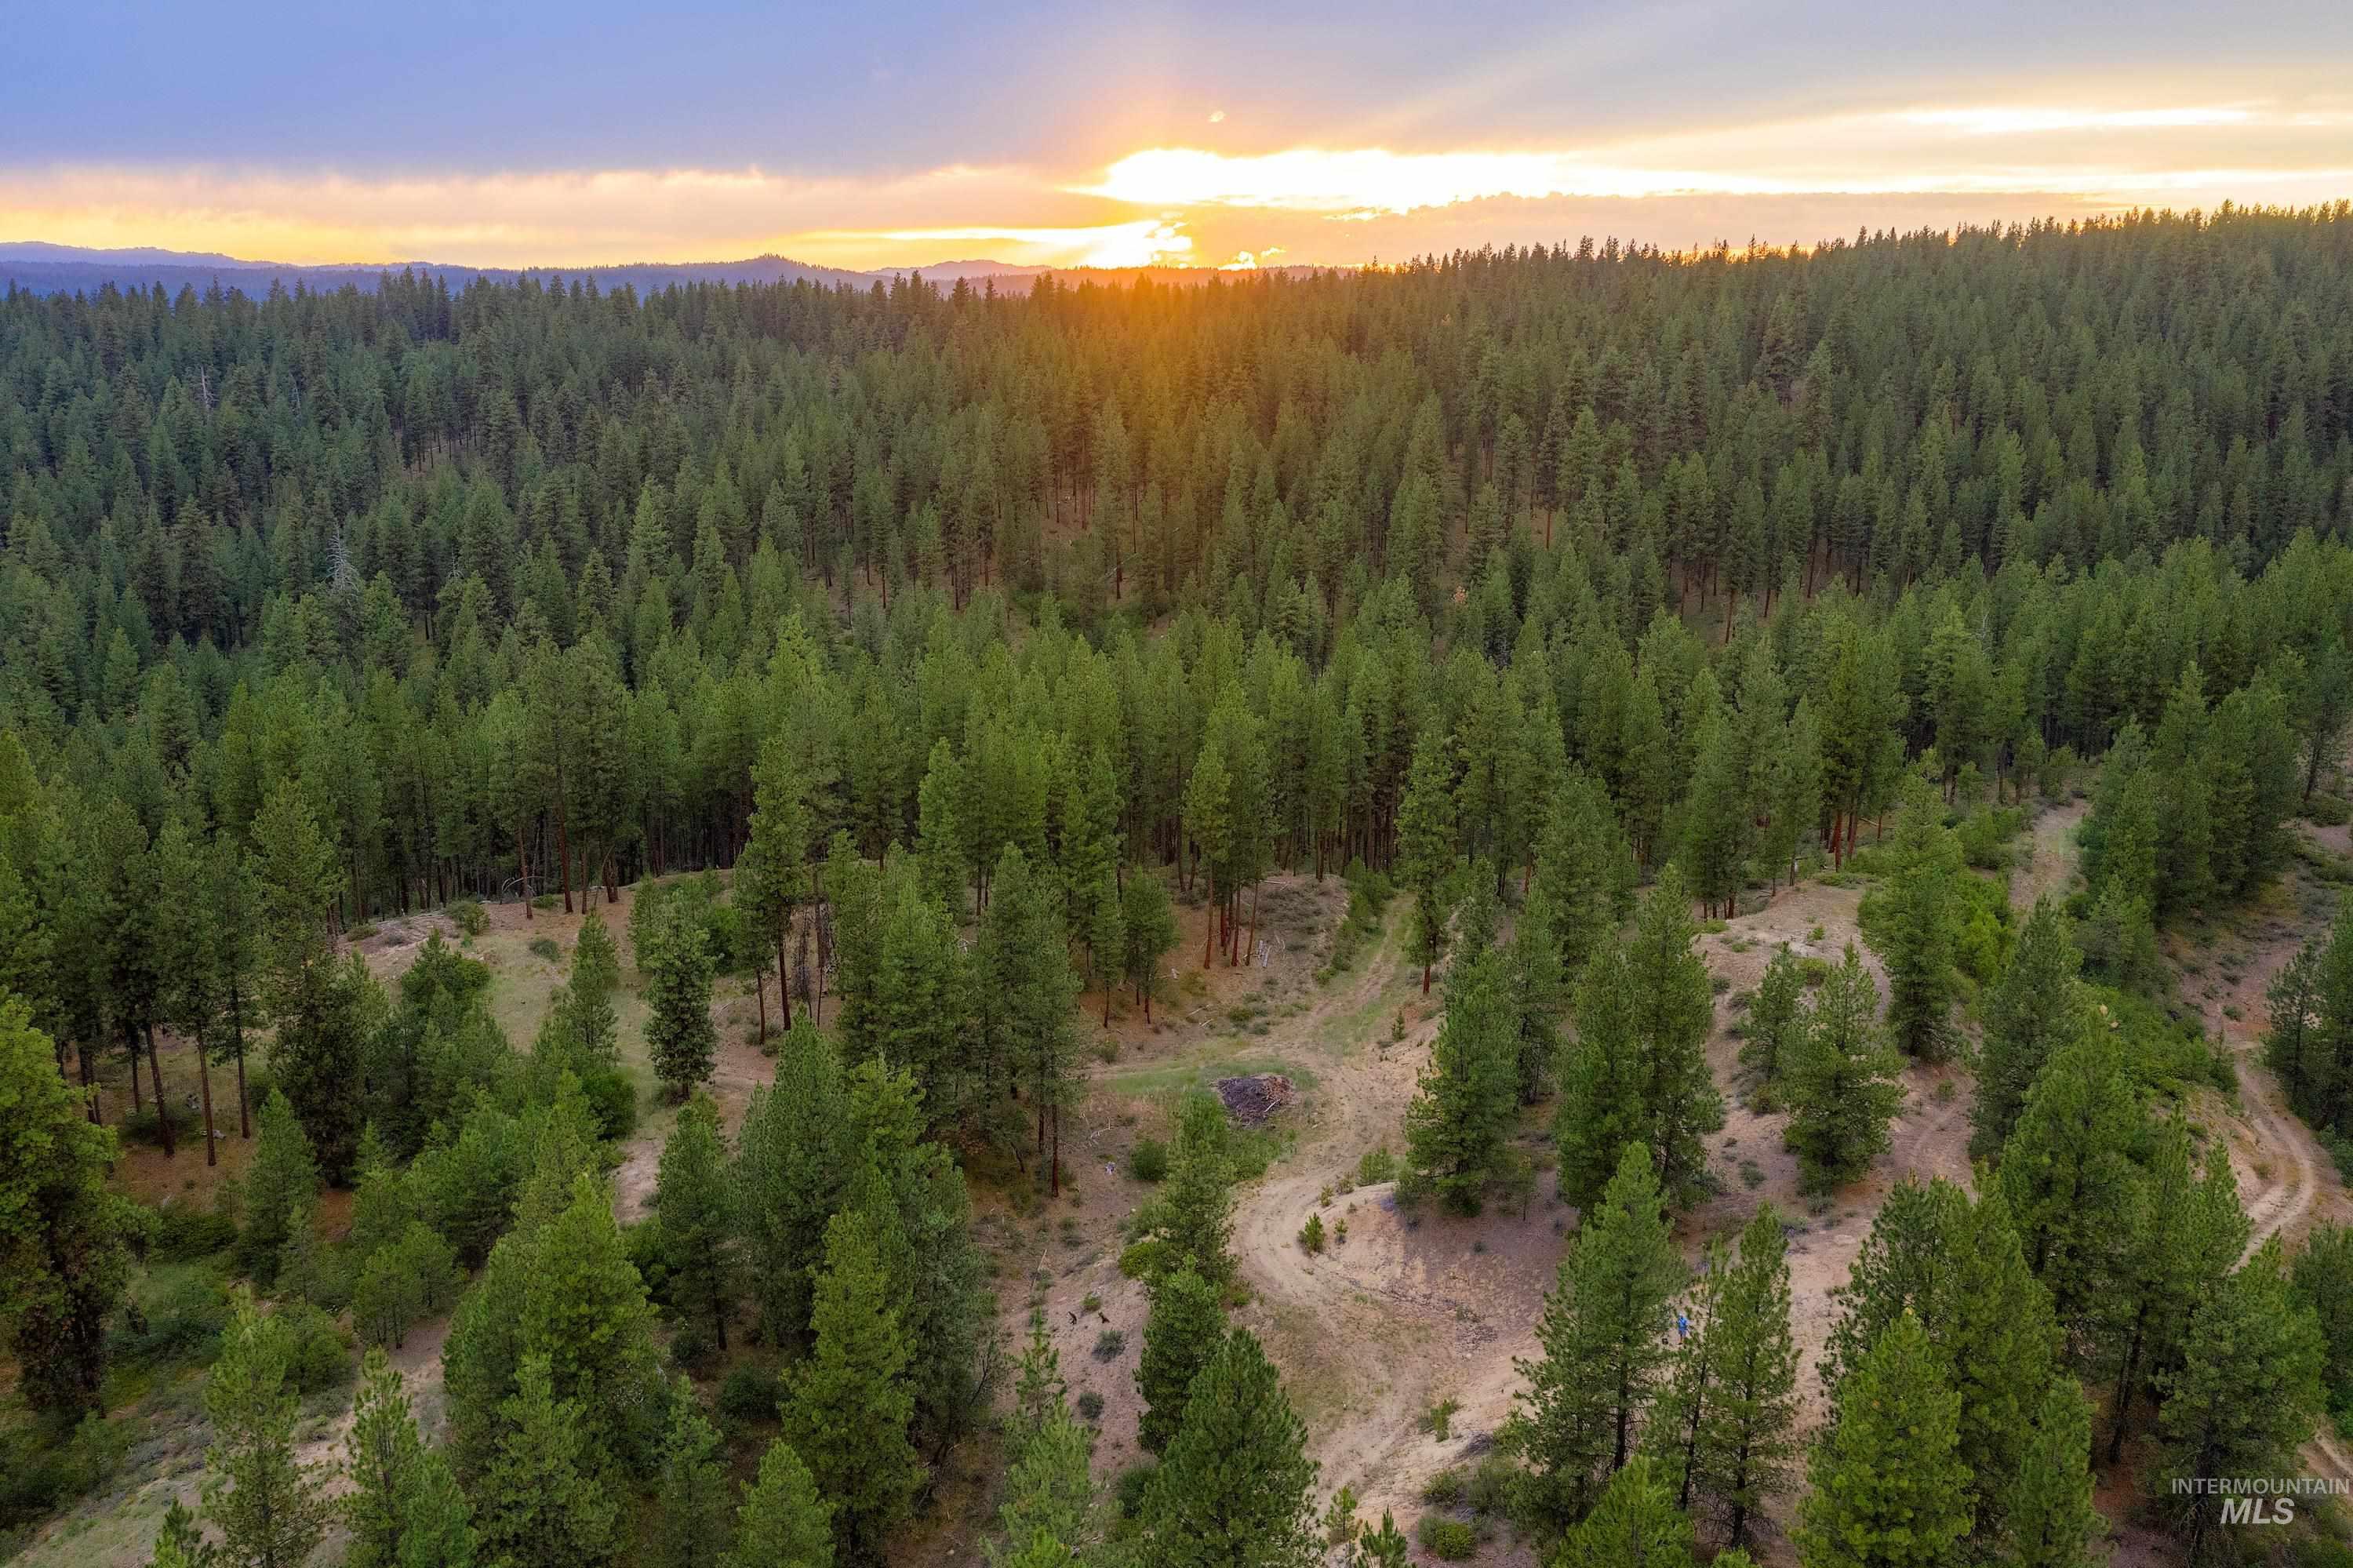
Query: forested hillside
(986,649)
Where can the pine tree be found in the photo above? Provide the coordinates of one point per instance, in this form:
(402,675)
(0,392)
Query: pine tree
(1460,1116)
(64,1236)
(1147,934)
(2323,1281)
(849,1402)
(2296,1002)
(1384,1548)
(2035,1008)
(1604,1333)
(1539,991)
(1888,1487)
(283,1179)
(1048,1489)
(678,1033)
(2245,1398)
(540,1503)
(403,1509)
(585,1309)
(1671,1437)
(693,1491)
(181,1543)
(793,1154)
(2050,1520)
(2187,1232)
(1234,1487)
(1209,828)
(1635,1525)
(782,1523)
(1182,1332)
(315,1000)
(695,1218)
(1843,1081)
(2067,1172)
(1776,1021)
(1106,935)
(1584,867)
(271,1509)
(1024,966)
(1425,847)
(1917,933)
(1639,1069)
(1747,1446)
(589,990)
(1719,818)
(780,830)
(1193,1214)
(1909,1261)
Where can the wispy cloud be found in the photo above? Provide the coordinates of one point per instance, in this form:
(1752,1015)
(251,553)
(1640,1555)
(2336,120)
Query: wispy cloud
(1322,202)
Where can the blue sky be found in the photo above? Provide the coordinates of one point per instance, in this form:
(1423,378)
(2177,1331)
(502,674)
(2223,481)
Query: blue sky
(1200,134)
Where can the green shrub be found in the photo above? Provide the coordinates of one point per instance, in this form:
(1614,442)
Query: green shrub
(1489,1490)
(1985,836)
(181,1313)
(614,1099)
(1311,1234)
(1148,1160)
(1447,1489)
(1375,1166)
(751,1393)
(468,916)
(185,1232)
(1448,1539)
(1109,1344)
(2328,810)
(317,1355)
(546,948)
(1091,1405)
(1133,1483)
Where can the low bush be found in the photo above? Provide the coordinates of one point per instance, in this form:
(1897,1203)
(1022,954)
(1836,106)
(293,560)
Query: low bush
(614,1099)
(185,1232)
(1129,1490)
(1148,1160)
(1448,1539)
(468,916)
(751,1393)
(317,1355)
(2328,810)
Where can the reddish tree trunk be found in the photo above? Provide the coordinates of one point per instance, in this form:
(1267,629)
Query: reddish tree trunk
(163,1109)
(204,1085)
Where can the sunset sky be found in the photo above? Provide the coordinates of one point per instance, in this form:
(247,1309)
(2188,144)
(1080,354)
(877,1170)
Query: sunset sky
(1202,135)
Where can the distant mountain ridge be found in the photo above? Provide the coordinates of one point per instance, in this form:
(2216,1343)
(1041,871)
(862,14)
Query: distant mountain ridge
(43,268)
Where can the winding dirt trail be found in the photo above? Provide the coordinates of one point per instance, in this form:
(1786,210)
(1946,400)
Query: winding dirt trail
(2287,1182)
(1405,1312)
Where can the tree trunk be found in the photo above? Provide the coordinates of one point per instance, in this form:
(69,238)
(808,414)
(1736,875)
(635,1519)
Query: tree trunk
(563,841)
(1210,930)
(523,873)
(163,1107)
(237,1022)
(760,989)
(783,975)
(205,1084)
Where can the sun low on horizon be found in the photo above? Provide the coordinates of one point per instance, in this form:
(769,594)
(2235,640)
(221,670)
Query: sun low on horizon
(1144,144)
